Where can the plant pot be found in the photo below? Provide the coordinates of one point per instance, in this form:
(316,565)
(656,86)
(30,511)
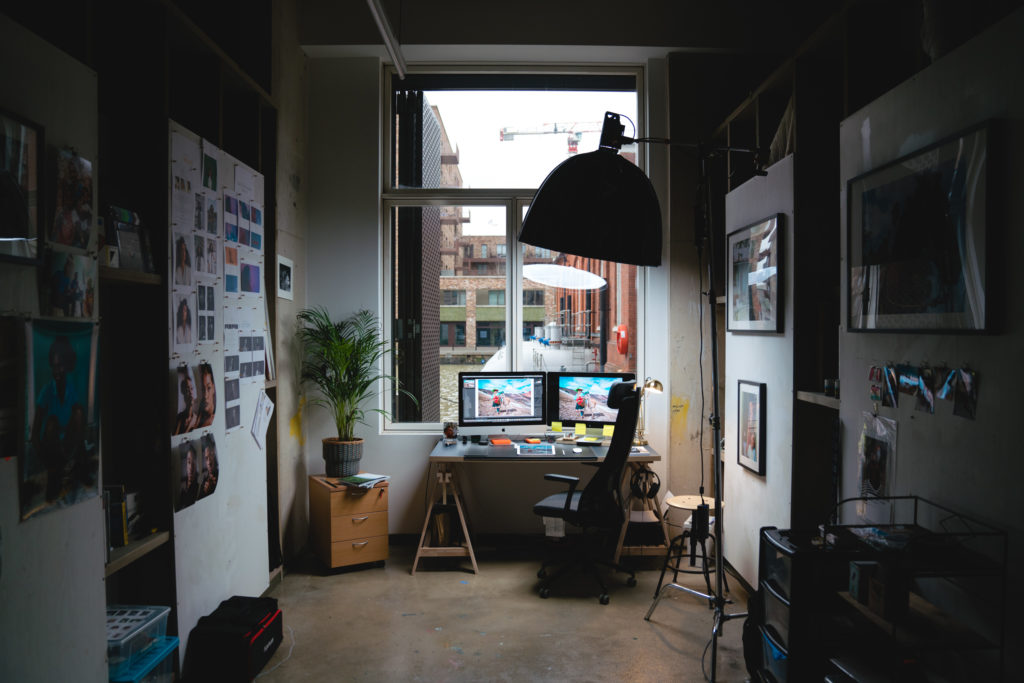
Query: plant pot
(342,457)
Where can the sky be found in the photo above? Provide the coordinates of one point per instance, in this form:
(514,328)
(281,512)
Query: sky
(474,120)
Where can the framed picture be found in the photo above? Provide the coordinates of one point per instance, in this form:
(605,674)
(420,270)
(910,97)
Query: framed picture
(750,436)
(285,272)
(754,301)
(917,240)
(21,188)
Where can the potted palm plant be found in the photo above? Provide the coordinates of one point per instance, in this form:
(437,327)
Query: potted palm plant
(341,360)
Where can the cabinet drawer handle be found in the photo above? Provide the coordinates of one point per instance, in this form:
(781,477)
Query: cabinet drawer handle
(360,519)
(359,543)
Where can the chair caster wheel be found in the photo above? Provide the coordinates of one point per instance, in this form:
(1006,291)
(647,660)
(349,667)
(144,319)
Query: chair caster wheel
(542,574)
(631,581)
(544,593)
(604,598)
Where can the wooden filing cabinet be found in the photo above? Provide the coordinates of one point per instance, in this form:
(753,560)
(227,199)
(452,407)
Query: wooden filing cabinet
(348,525)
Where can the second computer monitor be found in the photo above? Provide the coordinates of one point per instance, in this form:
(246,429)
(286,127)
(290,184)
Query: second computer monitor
(575,397)
(501,399)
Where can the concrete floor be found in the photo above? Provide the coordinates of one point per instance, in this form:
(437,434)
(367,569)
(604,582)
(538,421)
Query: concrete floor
(448,624)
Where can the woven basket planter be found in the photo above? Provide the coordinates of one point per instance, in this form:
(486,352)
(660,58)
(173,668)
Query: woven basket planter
(342,457)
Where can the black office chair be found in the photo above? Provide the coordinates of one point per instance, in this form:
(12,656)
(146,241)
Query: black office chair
(597,509)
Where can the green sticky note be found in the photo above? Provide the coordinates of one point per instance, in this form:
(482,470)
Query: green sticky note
(556,426)
(608,430)
(581,427)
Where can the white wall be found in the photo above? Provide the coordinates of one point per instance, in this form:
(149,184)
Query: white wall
(52,600)
(751,501)
(344,274)
(973,466)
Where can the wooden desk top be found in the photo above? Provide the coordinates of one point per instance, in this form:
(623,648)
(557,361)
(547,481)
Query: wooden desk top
(591,453)
(690,502)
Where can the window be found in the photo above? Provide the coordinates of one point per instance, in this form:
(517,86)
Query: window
(465,156)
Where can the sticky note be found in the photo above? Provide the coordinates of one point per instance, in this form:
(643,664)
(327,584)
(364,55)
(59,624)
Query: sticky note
(608,430)
(581,427)
(556,426)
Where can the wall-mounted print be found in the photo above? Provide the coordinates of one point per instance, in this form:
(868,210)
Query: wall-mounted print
(61,463)
(68,285)
(917,240)
(751,423)
(877,456)
(754,297)
(285,271)
(21,182)
(72,216)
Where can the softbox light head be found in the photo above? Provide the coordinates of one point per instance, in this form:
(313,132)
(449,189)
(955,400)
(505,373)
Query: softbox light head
(597,205)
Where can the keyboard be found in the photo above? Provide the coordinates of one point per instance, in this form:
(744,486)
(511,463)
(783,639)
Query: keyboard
(509,453)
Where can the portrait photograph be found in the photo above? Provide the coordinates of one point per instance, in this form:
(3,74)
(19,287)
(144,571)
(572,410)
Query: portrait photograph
(68,287)
(212,216)
(60,466)
(284,278)
(182,249)
(72,217)
(185,401)
(184,321)
(751,426)
(210,467)
(189,463)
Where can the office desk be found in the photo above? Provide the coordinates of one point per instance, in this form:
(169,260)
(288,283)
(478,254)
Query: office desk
(442,474)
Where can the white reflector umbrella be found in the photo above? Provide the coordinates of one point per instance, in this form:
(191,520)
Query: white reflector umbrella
(565,277)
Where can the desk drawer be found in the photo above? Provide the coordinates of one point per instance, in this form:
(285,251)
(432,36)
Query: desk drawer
(360,550)
(362,525)
(350,501)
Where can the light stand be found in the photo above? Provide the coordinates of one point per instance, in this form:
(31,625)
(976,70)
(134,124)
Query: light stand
(656,387)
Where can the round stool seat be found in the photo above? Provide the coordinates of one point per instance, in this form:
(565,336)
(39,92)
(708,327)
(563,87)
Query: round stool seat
(690,502)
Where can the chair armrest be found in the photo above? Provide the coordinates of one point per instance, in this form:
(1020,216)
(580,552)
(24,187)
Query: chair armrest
(564,478)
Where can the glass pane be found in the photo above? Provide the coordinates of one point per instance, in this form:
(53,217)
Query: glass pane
(497,138)
(448,303)
(579,314)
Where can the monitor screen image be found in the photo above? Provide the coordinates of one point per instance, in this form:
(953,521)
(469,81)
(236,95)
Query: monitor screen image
(583,397)
(501,398)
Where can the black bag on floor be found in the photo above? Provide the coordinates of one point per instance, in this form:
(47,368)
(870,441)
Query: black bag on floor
(234,642)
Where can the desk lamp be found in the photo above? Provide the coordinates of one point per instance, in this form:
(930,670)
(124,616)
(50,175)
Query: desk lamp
(656,387)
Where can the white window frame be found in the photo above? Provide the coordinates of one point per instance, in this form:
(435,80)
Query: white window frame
(515,201)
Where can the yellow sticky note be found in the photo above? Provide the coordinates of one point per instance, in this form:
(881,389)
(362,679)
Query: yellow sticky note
(556,426)
(581,427)
(608,430)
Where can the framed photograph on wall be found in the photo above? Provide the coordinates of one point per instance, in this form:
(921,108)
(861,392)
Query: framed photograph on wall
(21,188)
(754,291)
(917,240)
(285,274)
(750,435)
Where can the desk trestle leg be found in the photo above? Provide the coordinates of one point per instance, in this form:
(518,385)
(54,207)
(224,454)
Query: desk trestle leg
(444,478)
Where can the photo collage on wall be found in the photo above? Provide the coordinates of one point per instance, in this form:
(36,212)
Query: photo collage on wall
(70,278)
(232,371)
(925,385)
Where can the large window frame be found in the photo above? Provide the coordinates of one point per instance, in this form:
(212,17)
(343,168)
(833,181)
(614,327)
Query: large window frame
(514,200)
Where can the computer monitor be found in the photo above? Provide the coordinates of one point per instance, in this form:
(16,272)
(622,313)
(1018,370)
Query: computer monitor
(583,397)
(501,399)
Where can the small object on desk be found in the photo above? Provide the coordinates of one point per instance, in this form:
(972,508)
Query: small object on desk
(501,442)
(589,439)
(531,439)
(577,450)
(363,480)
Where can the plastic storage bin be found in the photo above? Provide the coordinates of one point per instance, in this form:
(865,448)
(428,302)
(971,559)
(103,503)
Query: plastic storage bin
(130,630)
(155,664)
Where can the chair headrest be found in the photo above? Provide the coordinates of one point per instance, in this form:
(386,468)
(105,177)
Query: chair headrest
(619,390)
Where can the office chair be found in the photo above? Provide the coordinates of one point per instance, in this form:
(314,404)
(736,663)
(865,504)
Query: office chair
(597,509)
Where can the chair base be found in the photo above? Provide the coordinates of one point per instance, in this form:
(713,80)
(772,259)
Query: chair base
(587,562)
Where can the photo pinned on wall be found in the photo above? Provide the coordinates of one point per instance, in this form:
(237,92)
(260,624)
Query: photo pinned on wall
(207,313)
(209,167)
(285,270)
(199,215)
(184,302)
(890,388)
(243,223)
(182,262)
(21,170)
(60,466)
(925,396)
(186,162)
(68,285)
(186,401)
(946,383)
(231,354)
(230,208)
(755,277)
(199,257)
(209,466)
(233,418)
(212,216)
(250,278)
(232,271)
(965,400)
(72,215)
(256,228)
(188,490)
(751,426)
(877,456)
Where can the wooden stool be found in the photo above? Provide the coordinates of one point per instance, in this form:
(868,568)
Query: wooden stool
(677,551)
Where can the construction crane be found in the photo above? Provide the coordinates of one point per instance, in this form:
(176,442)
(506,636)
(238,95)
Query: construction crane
(572,131)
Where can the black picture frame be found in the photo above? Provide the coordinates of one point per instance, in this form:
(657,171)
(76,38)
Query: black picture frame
(751,414)
(754,257)
(22,178)
(917,240)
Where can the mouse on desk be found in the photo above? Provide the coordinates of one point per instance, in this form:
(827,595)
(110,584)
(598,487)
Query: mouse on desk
(577,450)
